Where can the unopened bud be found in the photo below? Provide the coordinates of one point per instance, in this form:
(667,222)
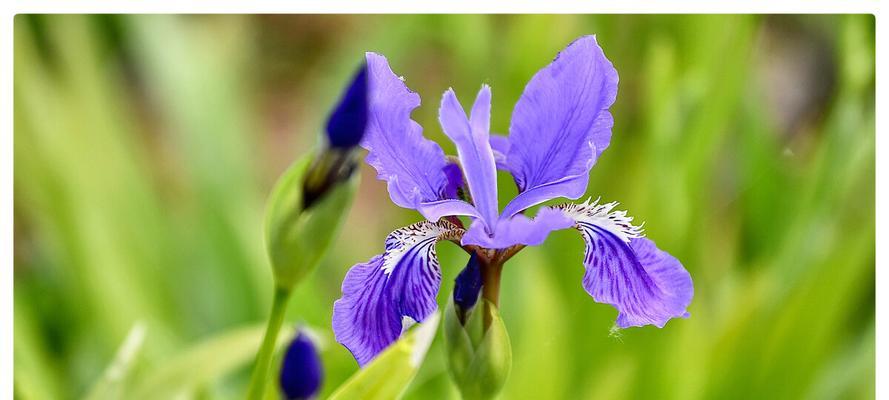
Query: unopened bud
(311,200)
(467,287)
(336,160)
(301,371)
(479,359)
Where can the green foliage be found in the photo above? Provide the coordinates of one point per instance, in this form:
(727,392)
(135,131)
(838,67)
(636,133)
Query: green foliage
(113,383)
(146,147)
(201,364)
(389,374)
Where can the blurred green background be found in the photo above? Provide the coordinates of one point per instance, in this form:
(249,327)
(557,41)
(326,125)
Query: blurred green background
(145,147)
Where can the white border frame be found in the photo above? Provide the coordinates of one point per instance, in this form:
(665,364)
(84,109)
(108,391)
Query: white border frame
(419,6)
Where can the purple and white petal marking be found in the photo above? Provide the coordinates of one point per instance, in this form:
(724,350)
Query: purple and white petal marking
(646,285)
(401,283)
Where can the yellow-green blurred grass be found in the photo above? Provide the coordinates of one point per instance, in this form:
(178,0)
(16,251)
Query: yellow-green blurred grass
(145,147)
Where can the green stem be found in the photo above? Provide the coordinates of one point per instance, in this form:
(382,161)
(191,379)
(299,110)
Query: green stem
(267,351)
(490,288)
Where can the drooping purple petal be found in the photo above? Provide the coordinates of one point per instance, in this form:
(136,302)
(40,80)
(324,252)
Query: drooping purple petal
(364,319)
(470,135)
(518,229)
(669,274)
(402,282)
(561,124)
(414,167)
(646,285)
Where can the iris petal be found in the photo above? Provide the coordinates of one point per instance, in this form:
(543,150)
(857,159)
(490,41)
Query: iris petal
(413,166)
(378,294)
(434,210)
(500,147)
(518,229)
(648,286)
(560,125)
(470,135)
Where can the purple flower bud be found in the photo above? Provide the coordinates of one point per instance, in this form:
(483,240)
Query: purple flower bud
(301,370)
(467,287)
(345,128)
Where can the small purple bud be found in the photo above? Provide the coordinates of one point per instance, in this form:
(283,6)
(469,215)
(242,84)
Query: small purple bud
(301,370)
(467,287)
(345,128)
(336,161)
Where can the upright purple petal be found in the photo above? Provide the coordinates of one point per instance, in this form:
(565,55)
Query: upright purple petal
(378,294)
(560,125)
(471,137)
(646,285)
(413,166)
(500,147)
(518,229)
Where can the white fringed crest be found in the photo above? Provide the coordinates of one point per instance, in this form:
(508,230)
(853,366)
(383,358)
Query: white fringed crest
(601,215)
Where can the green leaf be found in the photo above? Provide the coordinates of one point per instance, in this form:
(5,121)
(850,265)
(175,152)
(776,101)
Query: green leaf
(203,363)
(297,239)
(111,384)
(387,376)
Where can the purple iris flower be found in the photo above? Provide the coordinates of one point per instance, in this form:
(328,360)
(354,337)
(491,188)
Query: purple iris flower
(560,126)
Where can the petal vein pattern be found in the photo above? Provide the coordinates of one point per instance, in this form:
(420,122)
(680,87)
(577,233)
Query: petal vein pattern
(402,282)
(561,124)
(413,166)
(648,286)
(419,235)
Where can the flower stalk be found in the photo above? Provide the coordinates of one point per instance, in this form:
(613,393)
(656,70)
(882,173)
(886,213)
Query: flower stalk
(305,212)
(491,271)
(267,350)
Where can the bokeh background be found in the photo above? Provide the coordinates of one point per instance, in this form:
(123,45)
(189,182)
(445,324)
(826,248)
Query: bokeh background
(145,147)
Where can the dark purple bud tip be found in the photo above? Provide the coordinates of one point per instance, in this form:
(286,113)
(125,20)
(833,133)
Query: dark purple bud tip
(467,287)
(301,370)
(345,128)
